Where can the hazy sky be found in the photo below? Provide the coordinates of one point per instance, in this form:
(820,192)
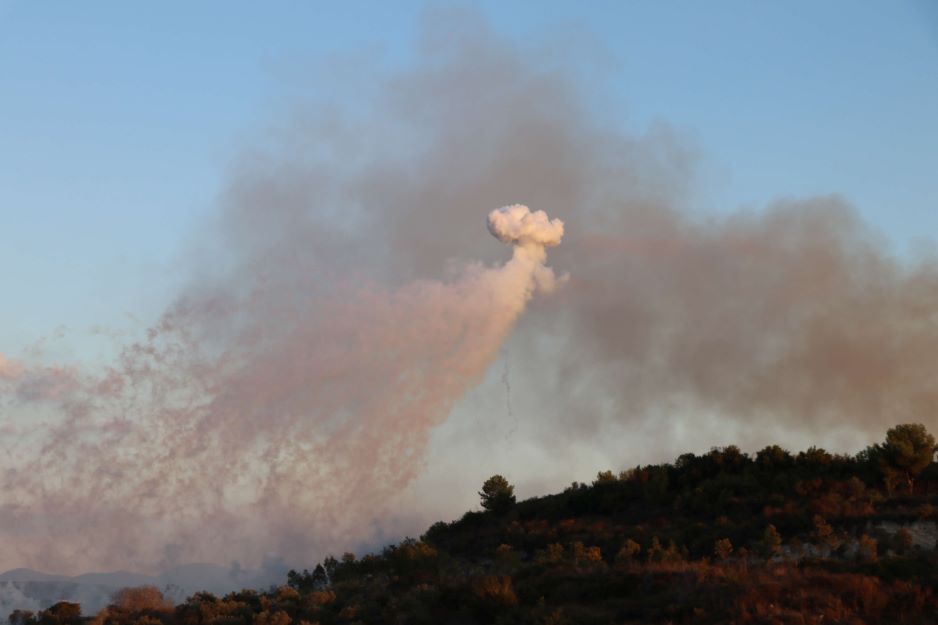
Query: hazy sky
(117,120)
(737,180)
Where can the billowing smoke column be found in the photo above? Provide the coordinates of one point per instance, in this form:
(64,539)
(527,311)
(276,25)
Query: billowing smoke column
(288,437)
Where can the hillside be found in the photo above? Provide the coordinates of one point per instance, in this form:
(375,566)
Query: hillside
(723,537)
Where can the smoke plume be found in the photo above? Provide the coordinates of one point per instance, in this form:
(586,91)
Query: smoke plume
(288,394)
(283,428)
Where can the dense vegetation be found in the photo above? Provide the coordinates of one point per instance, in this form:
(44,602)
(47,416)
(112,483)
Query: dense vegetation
(722,537)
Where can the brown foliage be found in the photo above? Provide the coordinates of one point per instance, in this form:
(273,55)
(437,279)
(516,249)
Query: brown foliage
(790,596)
(141,598)
(496,589)
(723,548)
(135,604)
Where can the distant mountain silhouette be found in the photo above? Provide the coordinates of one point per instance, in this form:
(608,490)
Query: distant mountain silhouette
(24,588)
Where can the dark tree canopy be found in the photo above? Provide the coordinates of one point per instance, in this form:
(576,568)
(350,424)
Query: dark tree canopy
(497,494)
(908,451)
(62,613)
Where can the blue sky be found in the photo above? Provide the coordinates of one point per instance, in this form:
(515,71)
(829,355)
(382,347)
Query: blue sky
(117,119)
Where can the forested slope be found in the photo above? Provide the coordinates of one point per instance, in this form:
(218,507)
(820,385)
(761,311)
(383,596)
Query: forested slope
(723,537)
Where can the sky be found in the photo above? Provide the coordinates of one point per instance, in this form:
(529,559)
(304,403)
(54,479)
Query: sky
(117,121)
(754,149)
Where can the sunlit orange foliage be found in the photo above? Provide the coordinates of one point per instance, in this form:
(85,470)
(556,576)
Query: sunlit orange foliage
(496,589)
(320,598)
(813,598)
(141,598)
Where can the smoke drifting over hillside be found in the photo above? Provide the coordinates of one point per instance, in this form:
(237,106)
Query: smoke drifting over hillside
(288,394)
(259,422)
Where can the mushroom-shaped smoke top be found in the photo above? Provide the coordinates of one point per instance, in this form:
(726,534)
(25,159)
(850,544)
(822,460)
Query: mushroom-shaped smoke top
(530,234)
(517,225)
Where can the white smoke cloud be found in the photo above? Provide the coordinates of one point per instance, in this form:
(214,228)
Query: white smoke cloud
(517,224)
(529,233)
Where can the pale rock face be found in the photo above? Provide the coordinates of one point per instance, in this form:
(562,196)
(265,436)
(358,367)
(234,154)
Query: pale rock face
(924,536)
(924,533)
